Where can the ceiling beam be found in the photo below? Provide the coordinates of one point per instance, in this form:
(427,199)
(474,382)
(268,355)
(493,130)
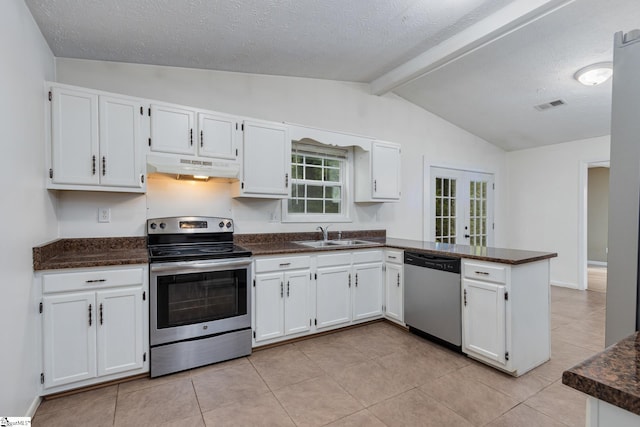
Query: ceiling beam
(512,17)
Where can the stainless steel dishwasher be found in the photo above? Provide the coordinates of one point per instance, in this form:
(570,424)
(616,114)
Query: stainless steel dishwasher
(432,297)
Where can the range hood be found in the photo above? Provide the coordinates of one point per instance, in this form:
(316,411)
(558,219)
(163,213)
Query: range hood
(190,166)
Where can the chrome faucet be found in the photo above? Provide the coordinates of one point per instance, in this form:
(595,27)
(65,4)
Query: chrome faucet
(324,231)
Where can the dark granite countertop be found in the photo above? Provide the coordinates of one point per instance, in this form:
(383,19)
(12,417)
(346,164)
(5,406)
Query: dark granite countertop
(284,243)
(97,252)
(90,252)
(612,375)
(499,255)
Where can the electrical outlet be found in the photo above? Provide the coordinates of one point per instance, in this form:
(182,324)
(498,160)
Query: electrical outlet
(104,215)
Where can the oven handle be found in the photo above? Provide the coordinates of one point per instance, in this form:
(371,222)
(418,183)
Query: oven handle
(200,265)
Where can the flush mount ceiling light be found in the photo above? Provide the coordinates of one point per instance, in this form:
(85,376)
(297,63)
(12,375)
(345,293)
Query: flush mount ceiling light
(594,74)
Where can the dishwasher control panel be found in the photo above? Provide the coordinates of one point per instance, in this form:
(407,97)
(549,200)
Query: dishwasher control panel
(435,262)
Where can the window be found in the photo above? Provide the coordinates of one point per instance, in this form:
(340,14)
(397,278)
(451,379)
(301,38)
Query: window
(445,210)
(318,177)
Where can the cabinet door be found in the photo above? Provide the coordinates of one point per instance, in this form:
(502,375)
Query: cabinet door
(367,291)
(484,315)
(74,137)
(385,170)
(120,162)
(69,338)
(172,130)
(333,296)
(394,292)
(217,136)
(267,159)
(269,306)
(119,330)
(296,302)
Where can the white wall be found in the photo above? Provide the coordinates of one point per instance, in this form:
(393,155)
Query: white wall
(27,213)
(598,214)
(545,204)
(333,105)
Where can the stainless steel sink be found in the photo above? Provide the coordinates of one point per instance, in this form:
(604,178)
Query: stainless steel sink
(332,243)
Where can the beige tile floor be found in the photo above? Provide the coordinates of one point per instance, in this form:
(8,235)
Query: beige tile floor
(373,375)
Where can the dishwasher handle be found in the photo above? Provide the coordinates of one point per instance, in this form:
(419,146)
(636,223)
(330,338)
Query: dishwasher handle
(432,261)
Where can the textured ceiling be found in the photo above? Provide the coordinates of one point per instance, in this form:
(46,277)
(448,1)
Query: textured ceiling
(354,40)
(492,91)
(489,90)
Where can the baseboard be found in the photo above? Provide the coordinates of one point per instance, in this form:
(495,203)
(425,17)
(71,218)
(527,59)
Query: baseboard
(564,284)
(31,412)
(597,263)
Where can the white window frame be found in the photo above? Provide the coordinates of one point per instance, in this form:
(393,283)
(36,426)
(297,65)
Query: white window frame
(346,172)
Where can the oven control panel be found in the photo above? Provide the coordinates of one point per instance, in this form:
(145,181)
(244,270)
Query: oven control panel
(189,224)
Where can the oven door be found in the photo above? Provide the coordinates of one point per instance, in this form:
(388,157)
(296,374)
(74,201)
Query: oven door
(198,298)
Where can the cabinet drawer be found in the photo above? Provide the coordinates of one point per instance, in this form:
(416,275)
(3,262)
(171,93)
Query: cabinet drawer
(483,271)
(337,258)
(91,279)
(367,256)
(395,257)
(282,263)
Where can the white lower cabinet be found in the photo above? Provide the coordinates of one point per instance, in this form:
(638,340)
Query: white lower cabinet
(484,319)
(282,297)
(367,292)
(505,314)
(394,286)
(333,296)
(299,295)
(93,326)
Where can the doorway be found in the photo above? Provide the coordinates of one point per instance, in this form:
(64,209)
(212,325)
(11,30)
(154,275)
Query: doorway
(597,227)
(594,226)
(461,206)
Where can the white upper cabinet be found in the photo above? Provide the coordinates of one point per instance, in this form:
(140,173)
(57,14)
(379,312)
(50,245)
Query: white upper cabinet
(74,137)
(217,136)
(172,129)
(181,130)
(121,163)
(378,173)
(96,141)
(266,153)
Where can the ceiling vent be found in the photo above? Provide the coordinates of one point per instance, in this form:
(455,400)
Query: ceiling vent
(549,105)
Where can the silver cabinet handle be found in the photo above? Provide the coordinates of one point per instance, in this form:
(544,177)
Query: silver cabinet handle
(191,137)
(356,280)
(465,297)
(285,264)
(90,316)
(286,180)
(104,165)
(201,139)
(483,273)
(392,257)
(349,279)
(281,290)
(288,288)
(398,279)
(93,165)
(101,318)
(96,281)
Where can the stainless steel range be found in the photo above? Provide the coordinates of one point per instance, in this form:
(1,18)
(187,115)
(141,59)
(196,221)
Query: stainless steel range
(200,300)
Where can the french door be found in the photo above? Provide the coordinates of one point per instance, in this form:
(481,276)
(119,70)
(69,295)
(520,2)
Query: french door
(461,207)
